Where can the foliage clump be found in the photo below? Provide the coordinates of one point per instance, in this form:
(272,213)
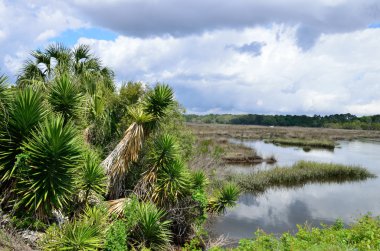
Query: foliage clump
(61,119)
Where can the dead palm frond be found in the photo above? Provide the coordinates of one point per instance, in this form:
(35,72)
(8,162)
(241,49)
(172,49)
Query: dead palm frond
(117,206)
(126,152)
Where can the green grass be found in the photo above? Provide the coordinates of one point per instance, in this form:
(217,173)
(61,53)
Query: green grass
(299,174)
(318,143)
(364,234)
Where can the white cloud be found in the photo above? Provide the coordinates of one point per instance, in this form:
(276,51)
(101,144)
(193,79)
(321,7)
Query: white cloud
(333,77)
(214,70)
(27,25)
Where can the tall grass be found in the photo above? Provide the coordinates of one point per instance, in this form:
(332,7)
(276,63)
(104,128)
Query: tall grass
(319,143)
(299,174)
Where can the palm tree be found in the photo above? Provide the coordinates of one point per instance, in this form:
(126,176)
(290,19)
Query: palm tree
(146,119)
(57,59)
(127,151)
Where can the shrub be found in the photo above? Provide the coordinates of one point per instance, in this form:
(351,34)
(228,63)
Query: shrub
(53,155)
(116,236)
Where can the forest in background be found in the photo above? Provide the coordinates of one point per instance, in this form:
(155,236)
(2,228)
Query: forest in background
(337,121)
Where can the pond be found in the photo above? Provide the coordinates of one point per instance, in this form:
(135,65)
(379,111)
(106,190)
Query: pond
(280,210)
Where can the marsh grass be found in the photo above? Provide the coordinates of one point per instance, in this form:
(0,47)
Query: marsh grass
(316,143)
(299,174)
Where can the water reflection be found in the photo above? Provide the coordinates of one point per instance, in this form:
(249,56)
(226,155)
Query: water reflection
(279,210)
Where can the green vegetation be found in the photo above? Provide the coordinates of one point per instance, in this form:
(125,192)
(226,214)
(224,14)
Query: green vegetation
(338,121)
(317,143)
(95,167)
(362,235)
(300,174)
(60,120)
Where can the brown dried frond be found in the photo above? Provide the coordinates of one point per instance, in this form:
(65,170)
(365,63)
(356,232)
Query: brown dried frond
(117,206)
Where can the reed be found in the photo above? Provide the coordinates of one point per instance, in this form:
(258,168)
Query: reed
(299,174)
(316,143)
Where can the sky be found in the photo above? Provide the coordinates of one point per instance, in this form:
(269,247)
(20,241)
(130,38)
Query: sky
(240,56)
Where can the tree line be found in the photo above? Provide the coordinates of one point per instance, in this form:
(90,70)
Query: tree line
(343,121)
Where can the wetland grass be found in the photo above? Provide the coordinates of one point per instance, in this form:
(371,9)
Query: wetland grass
(316,143)
(299,174)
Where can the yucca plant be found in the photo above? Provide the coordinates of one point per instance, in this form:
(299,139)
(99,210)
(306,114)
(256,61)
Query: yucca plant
(173,183)
(127,151)
(151,230)
(85,233)
(53,157)
(225,197)
(92,177)
(4,96)
(25,111)
(157,102)
(163,151)
(199,180)
(64,97)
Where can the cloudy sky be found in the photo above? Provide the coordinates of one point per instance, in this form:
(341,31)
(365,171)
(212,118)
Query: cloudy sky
(240,56)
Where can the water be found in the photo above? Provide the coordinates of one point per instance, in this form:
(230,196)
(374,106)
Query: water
(280,210)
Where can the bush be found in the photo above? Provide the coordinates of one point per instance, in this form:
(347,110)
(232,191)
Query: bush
(116,236)
(53,155)
(364,234)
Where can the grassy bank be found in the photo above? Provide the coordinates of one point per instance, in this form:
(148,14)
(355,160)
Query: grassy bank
(364,234)
(300,174)
(265,132)
(314,143)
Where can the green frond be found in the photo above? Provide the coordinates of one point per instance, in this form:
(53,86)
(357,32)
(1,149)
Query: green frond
(30,72)
(92,177)
(25,111)
(54,154)
(138,115)
(151,231)
(199,180)
(158,100)
(173,183)
(225,197)
(165,150)
(64,97)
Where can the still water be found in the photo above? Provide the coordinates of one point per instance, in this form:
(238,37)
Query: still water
(279,210)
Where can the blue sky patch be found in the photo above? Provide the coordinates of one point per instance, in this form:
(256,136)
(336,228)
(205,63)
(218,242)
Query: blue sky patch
(70,37)
(374,25)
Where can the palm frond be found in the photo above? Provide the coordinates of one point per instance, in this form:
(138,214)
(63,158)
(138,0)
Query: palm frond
(118,161)
(127,151)
(117,206)
(4,98)
(29,72)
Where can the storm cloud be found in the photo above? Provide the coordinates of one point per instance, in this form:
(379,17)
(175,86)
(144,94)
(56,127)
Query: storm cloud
(264,56)
(182,18)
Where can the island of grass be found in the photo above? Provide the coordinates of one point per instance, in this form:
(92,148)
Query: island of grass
(307,143)
(299,174)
